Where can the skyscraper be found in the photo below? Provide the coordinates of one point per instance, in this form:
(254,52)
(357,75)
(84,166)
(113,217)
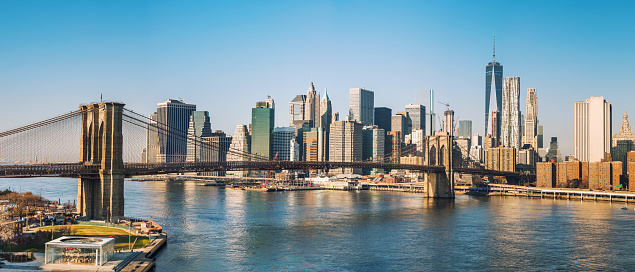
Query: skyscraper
(262,122)
(383,118)
(417,114)
(465,129)
(326,112)
(282,137)
(173,118)
(361,105)
(296,110)
(510,115)
(200,126)
(592,129)
(345,142)
(531,119)
(240,146)
(493,72)
(400,124)
(312,106)
(152,140)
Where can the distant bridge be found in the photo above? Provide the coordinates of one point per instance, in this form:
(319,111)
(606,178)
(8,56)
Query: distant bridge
(108,140)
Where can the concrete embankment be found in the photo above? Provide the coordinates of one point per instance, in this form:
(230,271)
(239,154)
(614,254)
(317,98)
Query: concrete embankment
(143,259)
(523,191)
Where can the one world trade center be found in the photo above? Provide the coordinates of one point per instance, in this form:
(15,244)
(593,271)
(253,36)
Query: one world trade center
(493,72)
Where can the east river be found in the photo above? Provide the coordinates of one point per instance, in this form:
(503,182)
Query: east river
(217,229)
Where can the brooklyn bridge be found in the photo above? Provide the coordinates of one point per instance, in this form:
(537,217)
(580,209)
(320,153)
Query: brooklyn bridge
(101,144)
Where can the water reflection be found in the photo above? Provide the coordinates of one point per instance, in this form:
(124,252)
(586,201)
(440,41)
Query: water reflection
(223,229)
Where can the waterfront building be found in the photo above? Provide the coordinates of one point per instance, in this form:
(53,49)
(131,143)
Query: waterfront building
(500,159)
(362,105)
(493,78)
(296,110)
(554,151)
(546,175)
(592,129)
(262,122)
(240,147)
(383,118)
(510,114)
(282,137)
(152,140)
(173,118)
(417,116)
(200,126)
(345,144)
(465,128)
(530,132)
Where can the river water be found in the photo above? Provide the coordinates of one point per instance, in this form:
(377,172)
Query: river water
(217,229)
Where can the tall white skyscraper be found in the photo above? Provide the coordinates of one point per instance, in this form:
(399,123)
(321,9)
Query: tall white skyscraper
(361,105)
(531,119)
(312,106)
(592,129)
(510,115)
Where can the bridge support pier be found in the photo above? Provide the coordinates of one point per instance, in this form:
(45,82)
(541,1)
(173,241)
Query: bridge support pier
(101,197)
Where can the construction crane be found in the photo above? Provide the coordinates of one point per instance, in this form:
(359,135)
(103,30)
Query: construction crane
(264,185)
(454,125)
(447,105)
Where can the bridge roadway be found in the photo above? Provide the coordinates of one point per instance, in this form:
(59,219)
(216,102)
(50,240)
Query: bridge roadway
(137,169)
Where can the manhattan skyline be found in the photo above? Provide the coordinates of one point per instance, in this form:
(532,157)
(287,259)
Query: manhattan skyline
(224,57)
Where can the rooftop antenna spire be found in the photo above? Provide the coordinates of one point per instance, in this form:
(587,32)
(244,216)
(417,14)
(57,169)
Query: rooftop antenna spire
(494,51)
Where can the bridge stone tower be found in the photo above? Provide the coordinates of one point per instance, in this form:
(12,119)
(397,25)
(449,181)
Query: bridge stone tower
(438,151)
(101,197)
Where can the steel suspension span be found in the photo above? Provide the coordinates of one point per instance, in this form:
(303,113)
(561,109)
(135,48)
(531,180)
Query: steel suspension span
(99,137)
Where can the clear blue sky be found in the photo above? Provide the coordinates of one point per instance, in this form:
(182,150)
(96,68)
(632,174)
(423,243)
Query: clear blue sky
(226,55)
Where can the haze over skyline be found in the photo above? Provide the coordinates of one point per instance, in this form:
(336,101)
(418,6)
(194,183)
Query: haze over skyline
(224,56)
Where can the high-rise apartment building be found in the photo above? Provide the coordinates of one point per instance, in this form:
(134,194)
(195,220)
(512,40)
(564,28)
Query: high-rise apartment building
(465,129)
(493,77)
(383,117)
(592,129)
(173,119)
(361,105)
(510,115)
(531,119)
(200,126)
(345,144)
(262,122)
(417,115)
